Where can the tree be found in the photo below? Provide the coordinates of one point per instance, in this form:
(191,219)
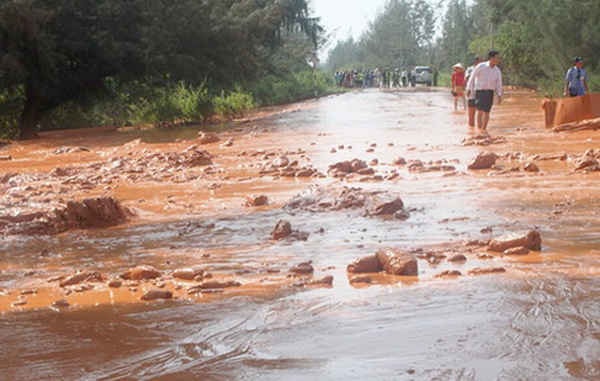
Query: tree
(54,51)
(400,36)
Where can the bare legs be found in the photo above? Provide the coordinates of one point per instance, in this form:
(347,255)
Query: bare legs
(483,119)
(472,111)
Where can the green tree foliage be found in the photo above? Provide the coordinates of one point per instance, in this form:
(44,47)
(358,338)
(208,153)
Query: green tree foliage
(400,36)
(457,32)
(53,52)
(537,39)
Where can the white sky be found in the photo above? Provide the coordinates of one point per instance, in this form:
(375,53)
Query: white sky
(344,18)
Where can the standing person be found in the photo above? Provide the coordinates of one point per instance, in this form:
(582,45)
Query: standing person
(576,80)
(471,98)
(458,85)
(485,80)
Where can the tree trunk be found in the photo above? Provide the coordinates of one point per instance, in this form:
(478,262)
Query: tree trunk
(29,117)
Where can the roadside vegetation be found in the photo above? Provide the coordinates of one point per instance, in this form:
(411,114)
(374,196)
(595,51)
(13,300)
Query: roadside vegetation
(537,39)
(72,64)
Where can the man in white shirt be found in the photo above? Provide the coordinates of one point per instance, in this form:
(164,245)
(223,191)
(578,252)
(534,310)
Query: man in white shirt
(484,82)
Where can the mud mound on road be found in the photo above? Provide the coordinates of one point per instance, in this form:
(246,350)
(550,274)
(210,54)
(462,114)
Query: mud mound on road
(369,203)
(85,214)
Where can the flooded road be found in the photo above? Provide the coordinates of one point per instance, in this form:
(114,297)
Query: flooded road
(539,320)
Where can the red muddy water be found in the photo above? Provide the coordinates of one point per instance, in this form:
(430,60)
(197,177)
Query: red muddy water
(538,320)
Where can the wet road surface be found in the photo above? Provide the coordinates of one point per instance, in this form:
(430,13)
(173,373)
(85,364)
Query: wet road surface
(538,321)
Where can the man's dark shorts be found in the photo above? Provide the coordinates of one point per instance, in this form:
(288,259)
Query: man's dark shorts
(484,99)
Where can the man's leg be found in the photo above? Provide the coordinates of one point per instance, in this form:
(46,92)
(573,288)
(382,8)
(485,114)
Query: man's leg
(472,111)
(479,119)
(485,120)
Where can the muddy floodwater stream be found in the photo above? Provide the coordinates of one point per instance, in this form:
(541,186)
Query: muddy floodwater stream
(538,319)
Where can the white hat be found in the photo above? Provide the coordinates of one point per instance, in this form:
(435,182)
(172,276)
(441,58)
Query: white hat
(458,66)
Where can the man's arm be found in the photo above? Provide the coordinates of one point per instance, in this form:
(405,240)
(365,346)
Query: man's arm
(566,90)
(499,88)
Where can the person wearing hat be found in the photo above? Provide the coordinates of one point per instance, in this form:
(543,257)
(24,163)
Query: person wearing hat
(471,99)
(458,84)
(576,80)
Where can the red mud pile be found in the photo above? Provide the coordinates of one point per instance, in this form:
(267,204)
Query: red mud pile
(86,214)
(393,262)
(371,203)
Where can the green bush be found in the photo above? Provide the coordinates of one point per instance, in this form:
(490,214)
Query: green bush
(134,103)
(273,90)
(445,79)
(236,103)
(11,106)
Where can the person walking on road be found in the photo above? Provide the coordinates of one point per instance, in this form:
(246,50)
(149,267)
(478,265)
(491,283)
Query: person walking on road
(576,80)
(471,100)
(484,82)
(458,85)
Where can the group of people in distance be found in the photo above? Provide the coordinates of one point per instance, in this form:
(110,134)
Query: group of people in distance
(386,79)
(480,82)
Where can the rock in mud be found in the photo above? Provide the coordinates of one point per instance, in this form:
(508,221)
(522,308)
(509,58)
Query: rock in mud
(87,214)
(484,160)
(282,230)
(531,167)
(368,264)
(517,251)
(141,273)
(81,277)
(449,274)
(483,140)
(531,240)
(207,137)
(189,274)
(326,281)
(156,294)
(361,279)
(489,270)
(366,171)
(457,258)
(304,268)
(588,162)
(400,161)
(372,203)
(194,158)
(213,285)
(115,283)
(344,168)
(387,208)
(62,303)
(280,162)
(396,262)
(63,150)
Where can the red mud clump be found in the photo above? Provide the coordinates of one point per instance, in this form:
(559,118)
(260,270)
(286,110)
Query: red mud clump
(531,240)
(344,168)
(371,203)
(484,160)
(87,214)
(392,261)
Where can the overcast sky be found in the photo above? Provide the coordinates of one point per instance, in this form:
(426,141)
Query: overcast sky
(343,18)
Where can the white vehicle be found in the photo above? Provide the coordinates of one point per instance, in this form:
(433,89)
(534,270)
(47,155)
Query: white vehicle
(422,74)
